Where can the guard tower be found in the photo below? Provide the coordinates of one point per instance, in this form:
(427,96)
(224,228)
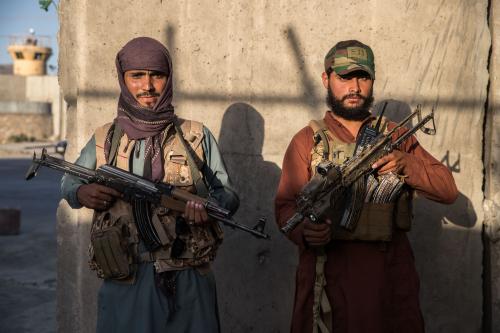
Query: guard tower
(30,54)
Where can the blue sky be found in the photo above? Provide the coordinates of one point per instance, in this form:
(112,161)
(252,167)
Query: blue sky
(18,16)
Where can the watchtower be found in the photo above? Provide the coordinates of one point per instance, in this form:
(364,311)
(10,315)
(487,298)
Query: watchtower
(30,54)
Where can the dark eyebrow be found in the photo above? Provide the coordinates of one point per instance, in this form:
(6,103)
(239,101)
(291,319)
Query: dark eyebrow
(136,73)
(157,73)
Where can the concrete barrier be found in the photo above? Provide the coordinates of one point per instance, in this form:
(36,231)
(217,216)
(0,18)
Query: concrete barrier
(18,107)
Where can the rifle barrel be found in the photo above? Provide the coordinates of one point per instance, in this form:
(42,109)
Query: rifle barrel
(412,131)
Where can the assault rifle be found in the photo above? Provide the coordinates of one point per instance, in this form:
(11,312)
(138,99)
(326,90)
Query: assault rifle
(139,189)
(331,181)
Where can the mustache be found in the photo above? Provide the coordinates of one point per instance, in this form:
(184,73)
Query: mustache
(148,94)
(353,95)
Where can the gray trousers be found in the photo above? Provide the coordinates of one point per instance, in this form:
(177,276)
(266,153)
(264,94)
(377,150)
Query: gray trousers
(142,307)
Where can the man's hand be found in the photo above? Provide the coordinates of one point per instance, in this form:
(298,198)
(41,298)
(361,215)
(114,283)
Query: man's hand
(195,212)
(394,162)
(317,234)
(95,196)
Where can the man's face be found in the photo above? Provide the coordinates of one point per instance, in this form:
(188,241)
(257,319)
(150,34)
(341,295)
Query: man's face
(146,86)
(349,96)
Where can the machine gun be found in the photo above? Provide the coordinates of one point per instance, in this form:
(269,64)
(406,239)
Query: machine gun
(137,189)
(331,181)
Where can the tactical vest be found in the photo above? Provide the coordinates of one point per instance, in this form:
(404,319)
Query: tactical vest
(114,249)
(377,220)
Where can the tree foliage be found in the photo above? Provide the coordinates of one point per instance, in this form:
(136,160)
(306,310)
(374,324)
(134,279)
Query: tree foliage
(45,4)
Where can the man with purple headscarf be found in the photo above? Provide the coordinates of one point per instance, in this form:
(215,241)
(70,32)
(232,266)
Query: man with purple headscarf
(168,286)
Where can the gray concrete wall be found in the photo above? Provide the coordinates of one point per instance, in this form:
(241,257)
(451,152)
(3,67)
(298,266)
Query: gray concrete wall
(25,127)
(15,89)
(251,72)
(12,88)
(46,88)
(32,120)
(25,107)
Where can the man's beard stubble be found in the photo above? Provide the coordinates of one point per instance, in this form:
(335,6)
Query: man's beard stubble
(357,113)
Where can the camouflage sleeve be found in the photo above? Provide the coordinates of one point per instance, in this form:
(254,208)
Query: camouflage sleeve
(216,176)
(70,184)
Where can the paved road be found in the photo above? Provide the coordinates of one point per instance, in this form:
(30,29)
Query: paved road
(28,261)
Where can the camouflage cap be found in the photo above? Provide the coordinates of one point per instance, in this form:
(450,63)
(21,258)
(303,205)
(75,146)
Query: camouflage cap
(349,56)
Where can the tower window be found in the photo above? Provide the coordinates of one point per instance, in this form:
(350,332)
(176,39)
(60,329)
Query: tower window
(38,56)
(19,55)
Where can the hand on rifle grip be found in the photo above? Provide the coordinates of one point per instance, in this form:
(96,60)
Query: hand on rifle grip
(98,197)
(317,234)
(395,162)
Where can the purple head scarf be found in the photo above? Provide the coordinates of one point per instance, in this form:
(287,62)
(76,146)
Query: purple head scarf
(137,121)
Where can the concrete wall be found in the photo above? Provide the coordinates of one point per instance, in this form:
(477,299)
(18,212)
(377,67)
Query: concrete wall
(46,88)
(31,126)
(251,72)
(31,119)
(24,90)
(12,88)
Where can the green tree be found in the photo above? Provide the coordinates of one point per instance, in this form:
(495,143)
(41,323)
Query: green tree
(45,4)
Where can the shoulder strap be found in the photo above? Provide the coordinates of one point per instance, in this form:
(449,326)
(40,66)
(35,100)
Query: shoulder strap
(101,134)
(193,132)
(196,173)
(319,128)
(115,143)
(380,117)
(317,125)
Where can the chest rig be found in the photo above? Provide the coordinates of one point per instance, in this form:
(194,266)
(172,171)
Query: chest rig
(116,248)
(384,203)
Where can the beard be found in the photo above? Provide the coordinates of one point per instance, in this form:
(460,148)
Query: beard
(357,113)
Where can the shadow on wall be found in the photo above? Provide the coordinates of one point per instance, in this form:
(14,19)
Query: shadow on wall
(255,277)
(395,111)
(440,234)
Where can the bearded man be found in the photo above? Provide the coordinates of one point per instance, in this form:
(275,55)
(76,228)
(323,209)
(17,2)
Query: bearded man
(167,287)
(364,281)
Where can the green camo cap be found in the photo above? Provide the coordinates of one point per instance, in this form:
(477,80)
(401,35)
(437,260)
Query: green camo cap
(349,56)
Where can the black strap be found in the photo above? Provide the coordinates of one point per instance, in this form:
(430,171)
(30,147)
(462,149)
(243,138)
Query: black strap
(320,136)
(379,121)
(115,142)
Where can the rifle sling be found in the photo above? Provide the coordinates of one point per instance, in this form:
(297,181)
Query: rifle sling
(380,117)
(115,142)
